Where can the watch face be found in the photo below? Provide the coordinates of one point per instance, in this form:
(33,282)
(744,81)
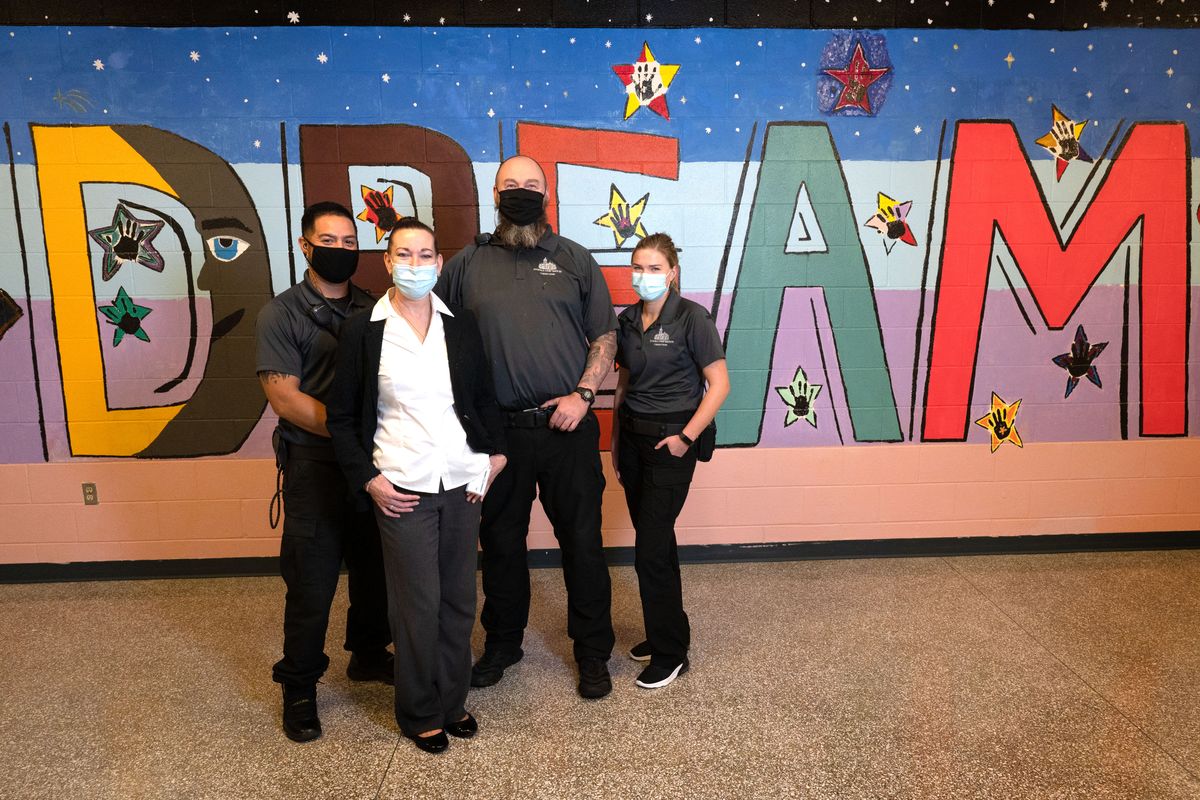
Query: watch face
(586,394)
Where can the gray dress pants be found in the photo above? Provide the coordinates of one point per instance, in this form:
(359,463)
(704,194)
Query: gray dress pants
(429,557)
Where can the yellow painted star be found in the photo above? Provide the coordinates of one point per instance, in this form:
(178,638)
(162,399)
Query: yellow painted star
(1062,141)
(1001,422)
(623,219)
(646,83)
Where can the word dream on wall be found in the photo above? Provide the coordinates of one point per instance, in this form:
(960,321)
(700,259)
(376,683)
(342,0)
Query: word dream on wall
(937,236)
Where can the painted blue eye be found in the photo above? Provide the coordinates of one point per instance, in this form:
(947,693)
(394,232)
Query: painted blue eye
(227,248)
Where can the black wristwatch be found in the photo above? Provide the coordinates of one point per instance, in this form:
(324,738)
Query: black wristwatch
(587,394)
(683,437)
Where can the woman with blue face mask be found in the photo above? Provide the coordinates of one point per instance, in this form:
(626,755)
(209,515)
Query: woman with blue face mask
(668,351)
(416,429)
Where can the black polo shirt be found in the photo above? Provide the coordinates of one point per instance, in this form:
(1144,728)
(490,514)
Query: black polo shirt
(297,335)
(666,363)
(538,311)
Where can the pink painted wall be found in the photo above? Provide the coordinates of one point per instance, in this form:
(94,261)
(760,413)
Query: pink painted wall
(218,508)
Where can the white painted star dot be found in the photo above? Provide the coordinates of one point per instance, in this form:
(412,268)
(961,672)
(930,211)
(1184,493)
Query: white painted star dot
(1104,5)
(194,56)
(1170,72)
(760,44)
(386,78)
(608,44)
(322,58)
(708,130)
(1091,47)
(293,17)
(257,143)
(953,89)
(491,113)
(1089,94)
(683,100)
(917,130)
(1126,90)
(571,40)
(441,20)
(407,17)
(99,65)
(649,17)
(697,40)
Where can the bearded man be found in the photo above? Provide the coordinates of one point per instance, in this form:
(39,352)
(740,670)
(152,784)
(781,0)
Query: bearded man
(549,331)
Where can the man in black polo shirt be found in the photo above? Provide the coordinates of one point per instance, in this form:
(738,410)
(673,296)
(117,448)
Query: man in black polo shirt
(549,330)
(297,350)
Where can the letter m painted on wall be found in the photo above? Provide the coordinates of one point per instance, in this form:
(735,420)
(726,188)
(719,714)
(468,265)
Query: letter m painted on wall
(993,189)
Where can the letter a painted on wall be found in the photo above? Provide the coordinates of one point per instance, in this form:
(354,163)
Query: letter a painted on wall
(801,179)
(805,234)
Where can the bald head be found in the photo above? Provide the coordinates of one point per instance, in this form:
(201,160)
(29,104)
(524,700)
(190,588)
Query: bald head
(520,172)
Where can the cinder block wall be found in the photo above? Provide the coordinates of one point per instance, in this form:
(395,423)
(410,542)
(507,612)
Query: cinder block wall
(953,268)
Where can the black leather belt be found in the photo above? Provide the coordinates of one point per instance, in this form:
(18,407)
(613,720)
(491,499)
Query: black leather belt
(536,418)
(310,453)
(645,427)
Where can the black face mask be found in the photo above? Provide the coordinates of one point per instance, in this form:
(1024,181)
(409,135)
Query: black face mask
(333,264)
(521,206)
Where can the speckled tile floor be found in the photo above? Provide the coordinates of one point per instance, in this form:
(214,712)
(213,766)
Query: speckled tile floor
(1053,676)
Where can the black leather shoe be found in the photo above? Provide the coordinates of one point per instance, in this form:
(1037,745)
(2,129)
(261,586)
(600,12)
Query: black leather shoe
(431,744)
(375,667)
(300,720)
(463,729)
(594,681)
(489,669)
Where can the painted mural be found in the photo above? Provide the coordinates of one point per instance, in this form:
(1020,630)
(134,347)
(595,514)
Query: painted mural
(935,236)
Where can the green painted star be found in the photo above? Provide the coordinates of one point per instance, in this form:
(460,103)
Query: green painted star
(127,316)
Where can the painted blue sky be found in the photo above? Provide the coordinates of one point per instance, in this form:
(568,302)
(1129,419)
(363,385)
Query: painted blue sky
(229,89)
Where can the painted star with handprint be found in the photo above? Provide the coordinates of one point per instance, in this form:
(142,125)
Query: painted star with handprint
(800,397)
(646,83)
(128,240)
(1001,422)
(127,316)
(1062,141)
(624,219)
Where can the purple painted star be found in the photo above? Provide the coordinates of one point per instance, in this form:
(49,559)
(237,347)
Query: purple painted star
(1078,362)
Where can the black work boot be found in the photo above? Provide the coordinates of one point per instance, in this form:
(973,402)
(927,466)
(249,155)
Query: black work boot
(300,720)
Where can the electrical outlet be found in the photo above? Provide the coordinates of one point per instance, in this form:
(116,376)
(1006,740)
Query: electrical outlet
(90,498)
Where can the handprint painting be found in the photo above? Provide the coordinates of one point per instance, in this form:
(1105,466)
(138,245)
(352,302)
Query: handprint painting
(907,220)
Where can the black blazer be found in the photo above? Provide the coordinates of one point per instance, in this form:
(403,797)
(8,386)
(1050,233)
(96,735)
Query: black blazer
(354,397)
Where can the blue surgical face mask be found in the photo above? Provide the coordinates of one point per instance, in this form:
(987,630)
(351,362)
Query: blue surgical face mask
(414,282)
(650,285)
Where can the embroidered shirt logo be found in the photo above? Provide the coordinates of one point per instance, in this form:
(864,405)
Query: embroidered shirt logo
(547,267)
(661,339)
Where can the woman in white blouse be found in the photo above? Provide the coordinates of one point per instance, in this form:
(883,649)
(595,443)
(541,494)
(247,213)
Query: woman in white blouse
(416,427)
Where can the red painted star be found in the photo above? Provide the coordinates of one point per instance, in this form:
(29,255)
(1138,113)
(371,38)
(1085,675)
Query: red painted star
(646,83)
(856,77)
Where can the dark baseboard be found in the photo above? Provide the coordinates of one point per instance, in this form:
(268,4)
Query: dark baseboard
(690,554)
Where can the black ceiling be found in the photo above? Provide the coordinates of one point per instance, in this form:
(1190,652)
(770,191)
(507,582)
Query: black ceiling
(996,14)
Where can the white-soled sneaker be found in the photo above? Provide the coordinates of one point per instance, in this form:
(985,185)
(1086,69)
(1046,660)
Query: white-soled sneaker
(640,651)
(654,677)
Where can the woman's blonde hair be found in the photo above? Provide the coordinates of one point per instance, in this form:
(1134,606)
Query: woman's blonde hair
(662,243)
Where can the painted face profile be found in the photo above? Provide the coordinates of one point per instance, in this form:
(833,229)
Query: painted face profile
(228,401)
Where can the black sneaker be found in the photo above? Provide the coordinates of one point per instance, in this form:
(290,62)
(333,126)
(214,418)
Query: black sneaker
(375,667)
(489,669)
(655,677)
(594,681)
(640,651)
(300,720)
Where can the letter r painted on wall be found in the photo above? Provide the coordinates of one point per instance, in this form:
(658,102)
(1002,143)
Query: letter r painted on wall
(992,188)
(801,171)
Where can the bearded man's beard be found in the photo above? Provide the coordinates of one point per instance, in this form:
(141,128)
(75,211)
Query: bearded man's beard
(524,237)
